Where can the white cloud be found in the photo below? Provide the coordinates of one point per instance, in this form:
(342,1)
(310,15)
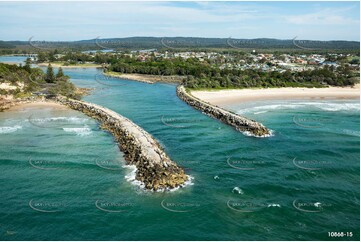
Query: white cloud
(86,20)
(324,17)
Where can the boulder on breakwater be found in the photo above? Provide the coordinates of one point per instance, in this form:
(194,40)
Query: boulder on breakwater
(154,168)
(240,123)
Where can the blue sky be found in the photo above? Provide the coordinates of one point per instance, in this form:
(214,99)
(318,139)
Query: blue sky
(88,20)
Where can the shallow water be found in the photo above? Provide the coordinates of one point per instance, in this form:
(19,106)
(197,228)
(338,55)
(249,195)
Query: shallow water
(13,59)
(63,178)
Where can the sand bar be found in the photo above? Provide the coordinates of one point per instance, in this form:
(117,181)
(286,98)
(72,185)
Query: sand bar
(146,78)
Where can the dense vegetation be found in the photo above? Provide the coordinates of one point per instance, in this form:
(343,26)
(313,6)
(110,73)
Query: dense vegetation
(256,78)
(184,43)
(205,75)
(28,80)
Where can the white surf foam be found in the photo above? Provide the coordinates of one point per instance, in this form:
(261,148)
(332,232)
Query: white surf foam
(237,190)
(260,112)
(130,177)
(9,129)
(85,131)
(274,205)
(351,132)
(187,183)
(266,108)
(74,120)
(325,106)
(248,133)
(334,107)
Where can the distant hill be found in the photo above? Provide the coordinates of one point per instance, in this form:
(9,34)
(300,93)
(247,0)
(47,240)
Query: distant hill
(137,43)
(6,45)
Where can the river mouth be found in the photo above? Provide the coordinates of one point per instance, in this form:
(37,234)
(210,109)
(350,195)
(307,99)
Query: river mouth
(269,178)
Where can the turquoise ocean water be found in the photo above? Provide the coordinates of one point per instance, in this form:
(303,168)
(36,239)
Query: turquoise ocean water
(63,178)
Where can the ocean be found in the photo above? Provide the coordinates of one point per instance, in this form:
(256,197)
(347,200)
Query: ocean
(63,178)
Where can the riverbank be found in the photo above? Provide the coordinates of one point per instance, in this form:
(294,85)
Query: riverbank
(135,77)
(150,79)
(224,97)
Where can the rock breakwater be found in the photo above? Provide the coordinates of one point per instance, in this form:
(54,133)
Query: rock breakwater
(155,170)
(240,123)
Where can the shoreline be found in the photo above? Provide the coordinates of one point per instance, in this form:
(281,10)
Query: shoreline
(37,104)
(150,79)
(234,96)
(134,77)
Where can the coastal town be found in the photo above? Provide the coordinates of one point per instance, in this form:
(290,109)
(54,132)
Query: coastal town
(266,62)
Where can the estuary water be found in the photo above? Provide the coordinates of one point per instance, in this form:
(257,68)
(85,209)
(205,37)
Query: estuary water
(63,178)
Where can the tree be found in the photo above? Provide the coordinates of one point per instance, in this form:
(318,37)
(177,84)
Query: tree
(41,57)
(51,56)
(27,66)
(60,73)
(50,77)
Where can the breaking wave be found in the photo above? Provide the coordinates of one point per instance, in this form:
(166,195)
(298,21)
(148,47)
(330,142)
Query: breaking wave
(85,131)
(130,177)
(325,106)
(9,129)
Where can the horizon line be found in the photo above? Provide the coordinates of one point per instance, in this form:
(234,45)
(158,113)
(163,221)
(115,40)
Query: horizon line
(161,37)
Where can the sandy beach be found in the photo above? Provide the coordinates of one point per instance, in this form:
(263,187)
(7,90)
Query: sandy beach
(245,95)
(37,105)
